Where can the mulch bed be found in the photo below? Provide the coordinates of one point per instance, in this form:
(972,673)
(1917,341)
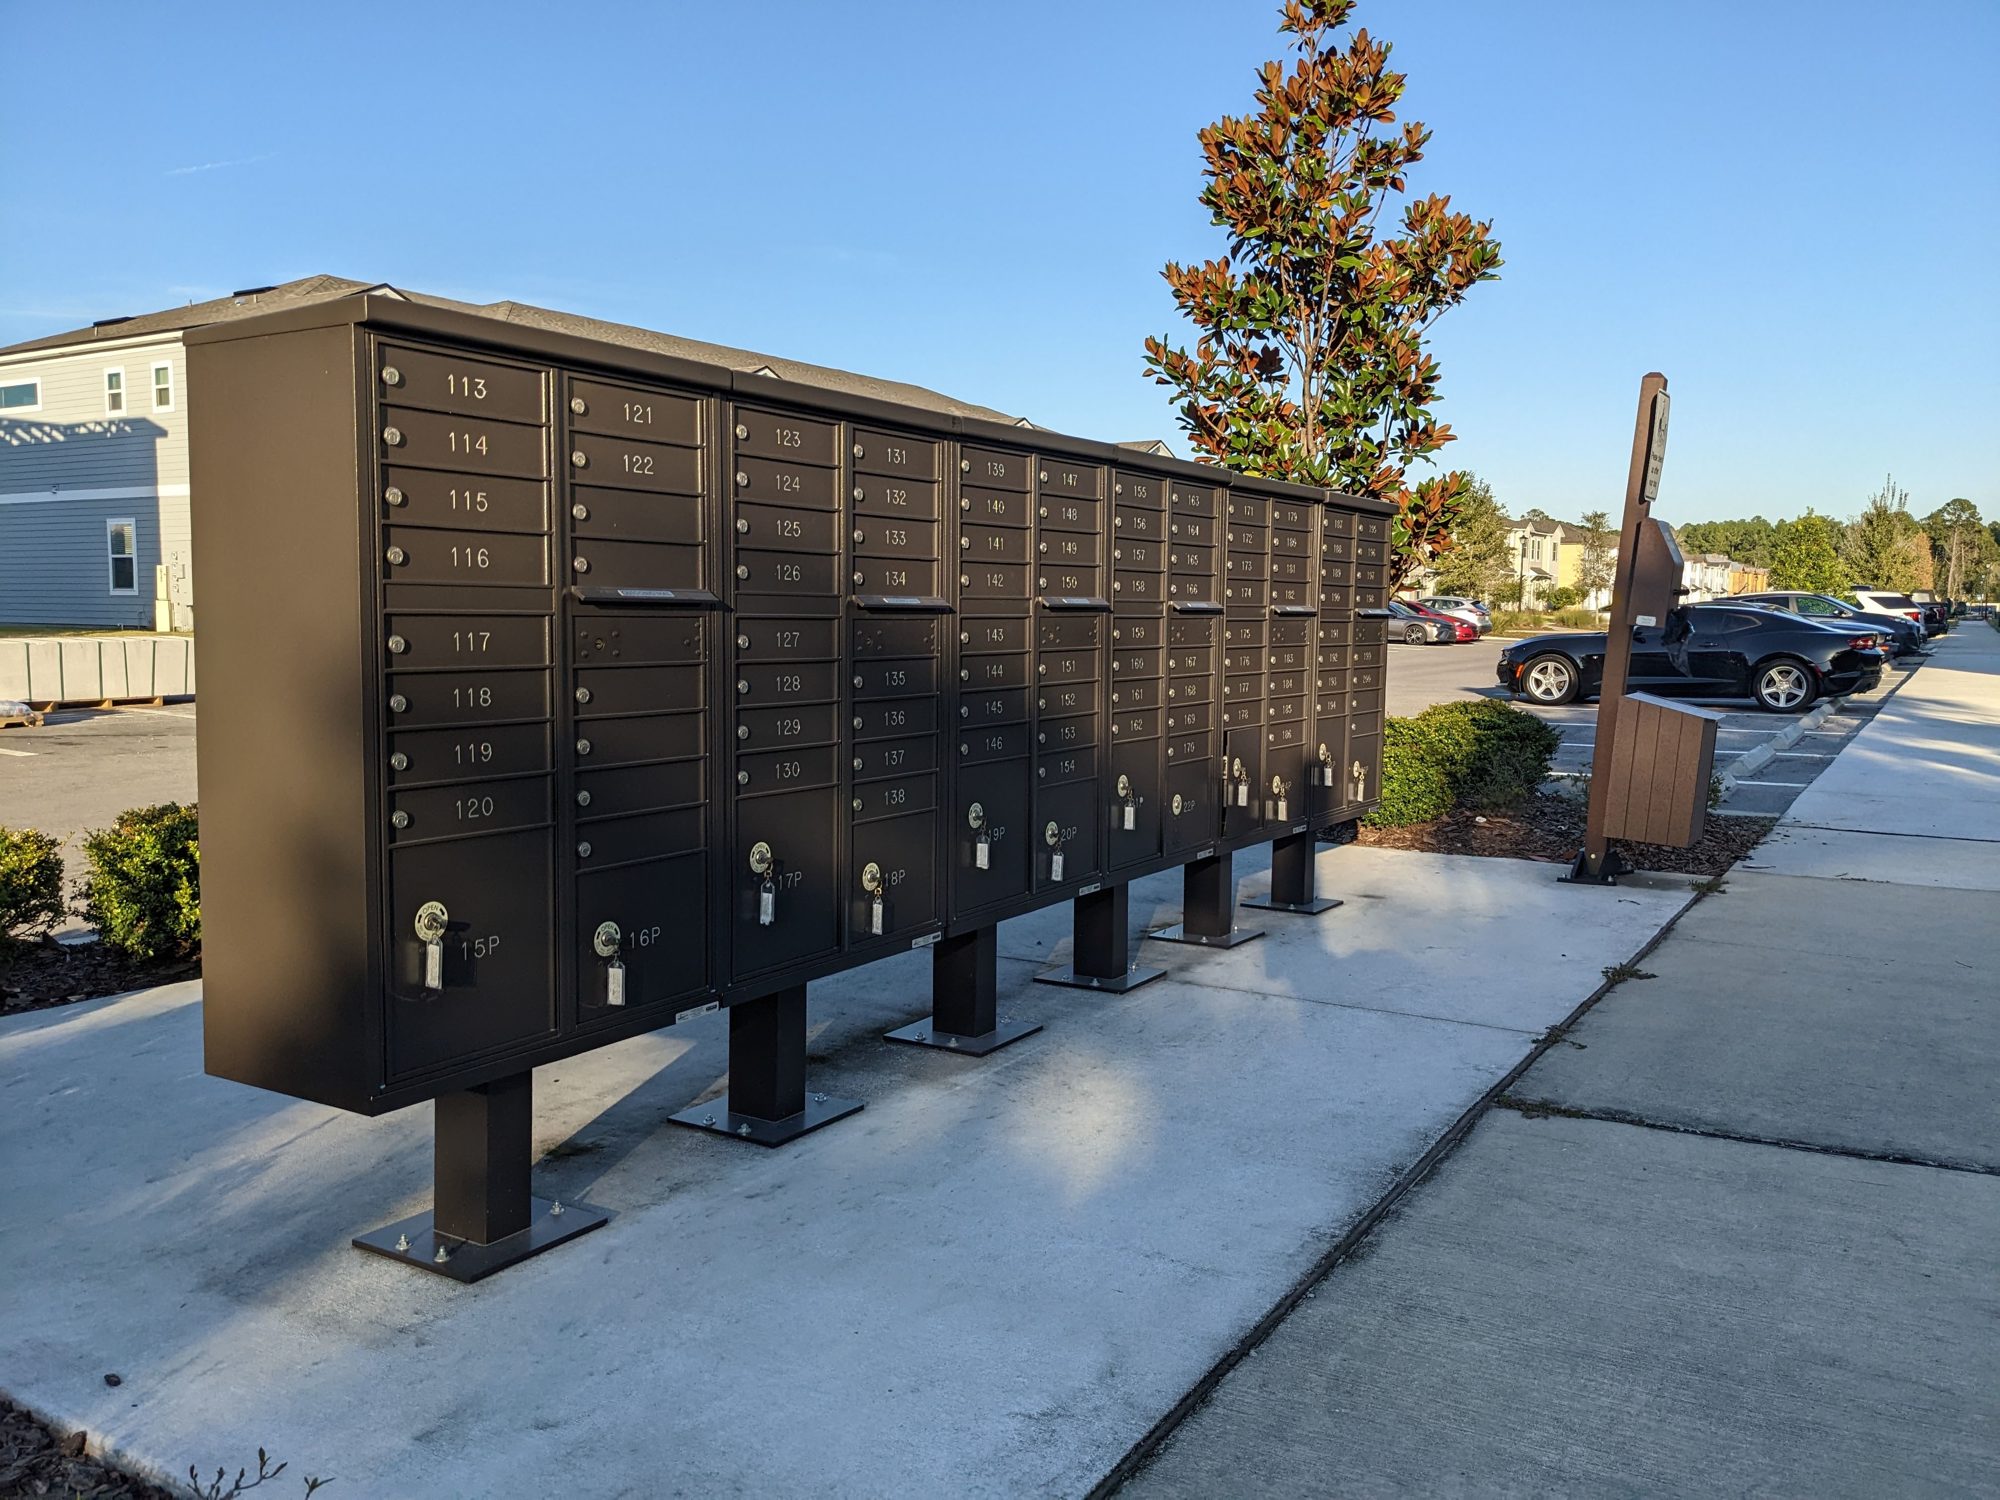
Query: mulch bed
(34,1461)
(1549,826)
(34,976)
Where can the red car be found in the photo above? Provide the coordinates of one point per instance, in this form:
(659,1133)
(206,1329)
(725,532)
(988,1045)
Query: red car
(1418,623)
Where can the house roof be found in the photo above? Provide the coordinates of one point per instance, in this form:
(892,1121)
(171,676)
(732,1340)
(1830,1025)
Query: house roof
(254,301)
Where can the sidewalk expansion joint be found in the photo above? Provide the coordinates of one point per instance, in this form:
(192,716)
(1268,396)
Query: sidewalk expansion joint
(1548,1109)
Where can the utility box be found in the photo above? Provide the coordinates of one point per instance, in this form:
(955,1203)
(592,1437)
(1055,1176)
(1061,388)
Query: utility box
(1664,757)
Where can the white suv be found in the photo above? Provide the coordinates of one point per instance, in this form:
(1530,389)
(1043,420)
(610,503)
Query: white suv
(1888,602)
(1469,610)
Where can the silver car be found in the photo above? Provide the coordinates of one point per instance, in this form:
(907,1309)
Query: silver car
(1469,610)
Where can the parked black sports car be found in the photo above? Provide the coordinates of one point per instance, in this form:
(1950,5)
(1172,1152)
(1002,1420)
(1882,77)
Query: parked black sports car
(1705,651)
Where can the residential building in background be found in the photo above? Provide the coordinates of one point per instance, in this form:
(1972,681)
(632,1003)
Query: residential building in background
(1536,549)
(94,498)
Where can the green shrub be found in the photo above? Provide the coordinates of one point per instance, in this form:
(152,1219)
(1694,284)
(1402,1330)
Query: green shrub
(1567,596)
(144,887)
(31,882)
(1580,618)
(1474,753)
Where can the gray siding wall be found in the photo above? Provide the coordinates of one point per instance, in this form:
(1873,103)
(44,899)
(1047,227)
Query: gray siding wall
(70,466)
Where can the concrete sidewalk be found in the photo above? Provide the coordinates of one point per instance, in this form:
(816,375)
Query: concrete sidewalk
(994,1281)
(1737,1231)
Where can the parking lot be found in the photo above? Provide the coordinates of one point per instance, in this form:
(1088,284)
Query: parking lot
(1422,675)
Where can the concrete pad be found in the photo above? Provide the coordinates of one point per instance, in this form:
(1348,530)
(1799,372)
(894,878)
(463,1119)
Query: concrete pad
(1883,858)
(1852,1018)
(1576,1308)
(992,1281)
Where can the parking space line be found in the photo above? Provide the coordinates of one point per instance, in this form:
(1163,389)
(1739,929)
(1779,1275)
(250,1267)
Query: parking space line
(1790,786)
(24,754)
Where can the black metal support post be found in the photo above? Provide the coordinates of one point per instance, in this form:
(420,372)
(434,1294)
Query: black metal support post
(484,1218)
(1293,872)
(1101,950)
(1208,907)
(767,1101)
(965,999)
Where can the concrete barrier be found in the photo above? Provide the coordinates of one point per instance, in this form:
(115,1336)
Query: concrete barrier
(55,670)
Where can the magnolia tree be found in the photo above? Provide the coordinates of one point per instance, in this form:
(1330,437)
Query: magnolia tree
(1309,361)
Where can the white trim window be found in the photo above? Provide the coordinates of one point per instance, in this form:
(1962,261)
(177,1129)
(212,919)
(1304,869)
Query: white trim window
(20,396)
(121,546)
(163,385)
(114,391)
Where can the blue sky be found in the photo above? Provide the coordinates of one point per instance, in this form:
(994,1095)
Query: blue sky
(1791,208)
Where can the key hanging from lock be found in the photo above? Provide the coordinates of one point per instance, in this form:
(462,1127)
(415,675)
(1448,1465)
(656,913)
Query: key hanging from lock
(871,882)
(982,843)
(607,943)
(1052,836)
(1130,811)
(764,865)
(432,922)
(1278,790)
(1242,783)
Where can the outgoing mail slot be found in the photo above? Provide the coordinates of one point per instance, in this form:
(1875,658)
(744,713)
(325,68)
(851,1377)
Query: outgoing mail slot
(467,444)
(1186,500)
(810,724)
(419,641)
(879,758)
(994,507)
(787,770)
(895,538)
(660,908)
(886,718)
(1005,707)
(618,790)
(634,639)
(904,852)
(468,698)
(981,544)
(1067,698)
(429,755)
(625,411)
(1060,477)
(785,573)
(1138,525)
(988,468)
(776,482)
(618,841)
(1068,549)
(985,580)
(977,672)
(639,565)
(635,515)
(894,575)
(1368,633)
(1137,588)
(769,434)
(1131,554)
(1069,632)
(1141,490)
(1185,559)
(422,497)
(785,640)
(1000,742)
(492,558)
(896,637)
(1069,765)
(807,682)
(893,798)
(882,495)
(1135,664)
(760,526)
(453,383)
(1135,724)
(1133,693)
(1061,514)
(622,463)
(636,690)
(445,812)
(1010,634)
(612,742)
(892,453)
(895,679)
(1139,630)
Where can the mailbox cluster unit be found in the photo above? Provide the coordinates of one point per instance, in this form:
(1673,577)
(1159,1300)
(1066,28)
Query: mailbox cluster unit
(556,691)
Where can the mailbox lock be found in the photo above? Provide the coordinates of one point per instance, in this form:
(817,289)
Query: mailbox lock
(391,375)
(742,571)
(583,695)
(1124,785)
(857,804)
(859,451)
(578,405)
(393,436)
(761,861)
(742,686)
(742,480)
(860,535)
(982,845)
(397,703)
(743,731)
(581,564)
(860,578)
(764,865)
(742,431)
(397,556)
(975,816)
(400,818)
(578,459)
(964,638)
(859,493)
(583,850)
(743,778)
(583,747)
(1052,835)
(1178,804)
(965,467)
(433,921)
(742,527)
(581,512)
(397,645)
(964,542)
(399,762)
(606,940)
(871,878)
(743,643)
(393,495)
(583,799)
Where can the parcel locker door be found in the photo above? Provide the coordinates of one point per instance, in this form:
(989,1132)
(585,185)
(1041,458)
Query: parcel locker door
(650,920)
(894,864)
(785,879)
(991,800)
(1066,824)
(1192,811)
(1135,803)
(1243,755)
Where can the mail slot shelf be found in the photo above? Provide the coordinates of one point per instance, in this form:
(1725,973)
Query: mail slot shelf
(896,637)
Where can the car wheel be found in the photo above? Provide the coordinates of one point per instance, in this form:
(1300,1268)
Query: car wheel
(1413,635)
(1549,679)
(1785,686)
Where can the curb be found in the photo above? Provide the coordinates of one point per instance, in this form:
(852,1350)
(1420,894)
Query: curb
(1754,760)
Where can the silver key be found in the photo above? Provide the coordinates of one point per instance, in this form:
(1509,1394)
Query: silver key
(614,982)
(767,902)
